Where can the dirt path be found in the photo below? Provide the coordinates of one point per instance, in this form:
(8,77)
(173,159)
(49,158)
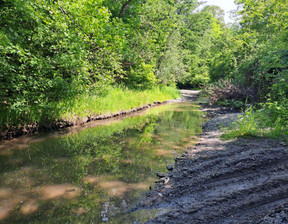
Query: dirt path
(219,182)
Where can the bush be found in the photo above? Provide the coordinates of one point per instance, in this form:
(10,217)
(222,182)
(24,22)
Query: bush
(143,77)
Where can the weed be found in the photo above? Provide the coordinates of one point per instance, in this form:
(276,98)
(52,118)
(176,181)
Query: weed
(269,121)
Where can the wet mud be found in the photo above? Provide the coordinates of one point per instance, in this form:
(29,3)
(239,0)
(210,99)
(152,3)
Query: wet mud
(217,182)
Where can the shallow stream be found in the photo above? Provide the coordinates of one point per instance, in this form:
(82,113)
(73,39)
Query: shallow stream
(96,172)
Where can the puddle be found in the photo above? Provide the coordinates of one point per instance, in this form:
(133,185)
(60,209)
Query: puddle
(93,174)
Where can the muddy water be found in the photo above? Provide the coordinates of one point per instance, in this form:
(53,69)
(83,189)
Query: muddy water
(92,174)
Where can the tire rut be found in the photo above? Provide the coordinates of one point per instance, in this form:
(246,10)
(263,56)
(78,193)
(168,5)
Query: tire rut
(218,182)
(232,170)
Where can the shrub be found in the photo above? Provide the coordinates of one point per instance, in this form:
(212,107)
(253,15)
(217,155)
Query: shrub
(143,77)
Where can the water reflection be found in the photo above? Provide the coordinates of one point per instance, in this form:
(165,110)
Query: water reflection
(95,174)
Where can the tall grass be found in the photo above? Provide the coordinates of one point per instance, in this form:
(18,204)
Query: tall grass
(269,121)
(115,99)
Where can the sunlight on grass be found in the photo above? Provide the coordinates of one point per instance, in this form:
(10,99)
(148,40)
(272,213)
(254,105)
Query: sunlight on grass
(257,123)
(83,106)
(117,99)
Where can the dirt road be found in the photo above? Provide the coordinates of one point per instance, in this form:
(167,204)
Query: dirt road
(219,182)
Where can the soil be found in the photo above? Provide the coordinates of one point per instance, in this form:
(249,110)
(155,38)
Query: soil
(219,182)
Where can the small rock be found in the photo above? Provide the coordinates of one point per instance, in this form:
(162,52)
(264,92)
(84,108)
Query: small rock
(24,130)
(167,180)
(115,114)
(122,112)
(105,219)
(171,175)
(100,117)
(159,174)
(170,167)
(161,180)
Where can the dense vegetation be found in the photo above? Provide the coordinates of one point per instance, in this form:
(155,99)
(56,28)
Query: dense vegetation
(56,56)
(256,62)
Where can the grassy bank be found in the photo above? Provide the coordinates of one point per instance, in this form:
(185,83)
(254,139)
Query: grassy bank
(112,100)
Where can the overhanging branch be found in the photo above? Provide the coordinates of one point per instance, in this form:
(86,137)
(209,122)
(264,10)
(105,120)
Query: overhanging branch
(124,8)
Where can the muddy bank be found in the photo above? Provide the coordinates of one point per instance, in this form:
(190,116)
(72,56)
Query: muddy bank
(240,181)
(33,128)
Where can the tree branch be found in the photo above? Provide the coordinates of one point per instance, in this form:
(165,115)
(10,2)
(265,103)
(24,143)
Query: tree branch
(124,8)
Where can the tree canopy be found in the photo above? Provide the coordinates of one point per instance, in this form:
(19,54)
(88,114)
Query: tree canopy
(52,50)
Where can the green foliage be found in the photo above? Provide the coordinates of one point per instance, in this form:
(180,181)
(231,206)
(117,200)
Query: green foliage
(206,40)
(255,54)
(247,126)
(85,105)
(49,49)
(143,78)
(116,99)
(269,121)
(54,52)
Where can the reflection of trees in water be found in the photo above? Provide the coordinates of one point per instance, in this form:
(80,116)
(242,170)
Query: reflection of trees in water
(98,164)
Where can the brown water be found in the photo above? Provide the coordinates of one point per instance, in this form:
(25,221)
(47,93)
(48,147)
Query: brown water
(92,174)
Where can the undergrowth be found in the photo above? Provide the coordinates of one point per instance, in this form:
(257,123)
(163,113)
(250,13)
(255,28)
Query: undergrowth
(114,99)
(269,121)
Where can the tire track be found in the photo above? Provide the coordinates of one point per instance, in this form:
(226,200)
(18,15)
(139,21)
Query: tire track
(243,181)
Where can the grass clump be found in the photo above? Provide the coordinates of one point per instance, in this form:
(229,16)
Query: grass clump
(269,121)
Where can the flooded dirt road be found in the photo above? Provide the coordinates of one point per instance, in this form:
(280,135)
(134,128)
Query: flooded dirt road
(219,182)
(95,172)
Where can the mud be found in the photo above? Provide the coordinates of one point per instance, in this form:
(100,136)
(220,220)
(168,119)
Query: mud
(221,182)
